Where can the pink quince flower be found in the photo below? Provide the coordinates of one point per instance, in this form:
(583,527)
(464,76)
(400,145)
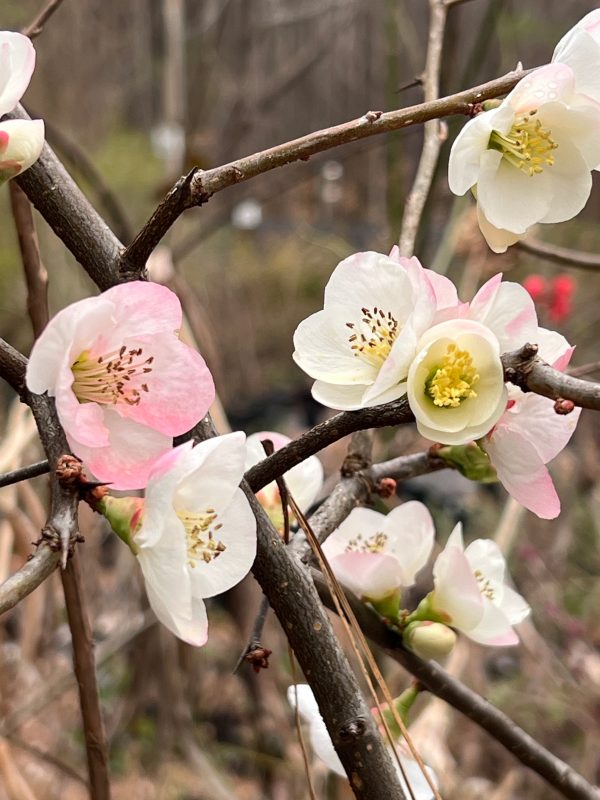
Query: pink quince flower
(359,347)
(304,481)
(470,593)
(21,141)
(196,534)
(124,383)
(376,554)
(321,743)
(530,434)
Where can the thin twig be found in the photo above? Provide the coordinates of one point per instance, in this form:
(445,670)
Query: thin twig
(24,473)
(198,187)
(44,755)
(85,671)
(560,255)
(433,132)
(584,369)
(37,25)
(36,277)
(524,747)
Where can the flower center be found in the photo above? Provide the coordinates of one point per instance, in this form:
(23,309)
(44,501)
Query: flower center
(453,381)
(116,377)
(372,340)
(485,587)
(373,544)
(527,145)
(200,530)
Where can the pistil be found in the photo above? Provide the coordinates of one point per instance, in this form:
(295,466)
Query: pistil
(527,146)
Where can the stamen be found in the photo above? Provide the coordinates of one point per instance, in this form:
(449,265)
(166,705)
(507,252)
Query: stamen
(380,332)
(485,587)
(111,378)
(374,544)
(527,146)
(452,382)
(202,545)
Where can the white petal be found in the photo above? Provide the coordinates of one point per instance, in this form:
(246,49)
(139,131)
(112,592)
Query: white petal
(214,469)
(471,142)
(493,626)
(508,311)
(320,740)
(515,607)
(17,61)
(498,239)
(456,590)
(485,555)
(411,534)
(238,534)
(371,576)
(547,84)
(364,522)
(350,398)
(25,143)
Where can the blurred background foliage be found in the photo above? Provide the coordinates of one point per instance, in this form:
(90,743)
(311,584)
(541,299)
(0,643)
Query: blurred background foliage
(135,93)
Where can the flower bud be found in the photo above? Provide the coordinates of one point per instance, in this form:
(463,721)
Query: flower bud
(124,515)
(21,143)
(429,639)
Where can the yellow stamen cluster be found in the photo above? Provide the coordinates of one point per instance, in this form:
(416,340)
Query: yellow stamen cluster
(374,544)
(527,145)
(372,340)
(202,544)
(111,378)
(453,381)
(485,587)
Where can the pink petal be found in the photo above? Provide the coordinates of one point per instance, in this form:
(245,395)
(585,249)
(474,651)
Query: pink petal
(371,575)
(547,84)
(142,307)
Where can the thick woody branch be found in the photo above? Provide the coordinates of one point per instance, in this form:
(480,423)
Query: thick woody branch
(560,255)
(64,207)
(523,368)
(201,185)
(524,747)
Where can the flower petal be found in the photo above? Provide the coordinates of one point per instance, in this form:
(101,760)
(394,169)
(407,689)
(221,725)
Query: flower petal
(17,62)
(371,576)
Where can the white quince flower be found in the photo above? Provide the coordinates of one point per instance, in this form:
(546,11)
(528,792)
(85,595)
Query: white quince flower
(580,49)
(376,554)
(323,748)
(470,593)
(456,384)
(197,534)
(360,346)
(529,160)
(304,481)
(21,141)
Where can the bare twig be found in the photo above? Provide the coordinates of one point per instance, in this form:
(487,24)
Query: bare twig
(560,255)
(433,132)
(200,185)
(36,277)
(43,755)
(523,368)
(584,369)
(529,752)
(29,577)
(85,671)
(37,25)
(24,473)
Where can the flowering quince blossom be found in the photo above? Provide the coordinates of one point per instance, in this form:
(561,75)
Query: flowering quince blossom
(194,534)
(580,50)
(123,381)
(470,593)
(304,481)
(360,346)
(376,554)
(21,141)
(530,434)
(323,748)
(530,159)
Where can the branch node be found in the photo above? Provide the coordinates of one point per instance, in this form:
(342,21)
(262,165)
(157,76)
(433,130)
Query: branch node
(373,116)
(352,730)
(563,407)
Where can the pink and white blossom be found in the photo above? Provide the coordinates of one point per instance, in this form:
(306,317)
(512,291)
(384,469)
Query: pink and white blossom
(530,159)
(470,592)
(304,481)
(301,696)
(196,534)
(376,554)
(579,48)
(21,141)
(124,383)
(530,434)
(360,346)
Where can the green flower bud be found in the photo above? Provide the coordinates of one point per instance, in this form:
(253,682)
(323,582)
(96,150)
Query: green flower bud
(429,639)
(470,460)
(124,515)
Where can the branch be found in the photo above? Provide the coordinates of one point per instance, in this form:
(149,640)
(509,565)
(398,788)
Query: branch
(85,672)
(396,412)
(24,581)
(37,25)
(24,473)
(64,207)
(529,752)
(433,132)
(201,185)
(523,368)
(560,255)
